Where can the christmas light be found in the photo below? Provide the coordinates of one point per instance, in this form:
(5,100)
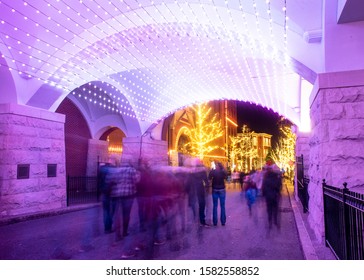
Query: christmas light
(283,154)
(205,131)
(158,55)
(242,150)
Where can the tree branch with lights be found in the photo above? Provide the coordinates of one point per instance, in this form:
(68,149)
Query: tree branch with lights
(283,154)
(242,148)
(206,130)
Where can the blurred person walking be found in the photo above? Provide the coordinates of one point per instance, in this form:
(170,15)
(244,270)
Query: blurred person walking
(258,179)
(241,179)
(272,186)
(144,192)
(104,189)
(123,192)
(235,176)
(218,177)
(251,191)
(162,193)
(198,181)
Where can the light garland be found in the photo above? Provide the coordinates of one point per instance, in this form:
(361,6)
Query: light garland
(143,55)
(206,129)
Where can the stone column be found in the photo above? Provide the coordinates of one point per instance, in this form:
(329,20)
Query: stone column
(97,152)
(337,141)
(31,141)
(153,151)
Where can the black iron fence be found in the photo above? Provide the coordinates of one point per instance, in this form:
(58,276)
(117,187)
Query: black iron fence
(302,183)
(82,190)
(344,222)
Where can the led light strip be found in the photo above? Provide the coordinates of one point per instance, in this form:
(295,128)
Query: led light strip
(229,82)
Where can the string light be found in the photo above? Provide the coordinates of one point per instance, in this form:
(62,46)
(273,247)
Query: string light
(206,130)
(156,56)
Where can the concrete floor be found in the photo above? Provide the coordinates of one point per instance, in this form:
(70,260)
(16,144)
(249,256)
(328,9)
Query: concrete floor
(79,235)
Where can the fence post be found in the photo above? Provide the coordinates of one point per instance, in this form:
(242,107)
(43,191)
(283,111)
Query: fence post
(346,222)
(324,205)
(68,191)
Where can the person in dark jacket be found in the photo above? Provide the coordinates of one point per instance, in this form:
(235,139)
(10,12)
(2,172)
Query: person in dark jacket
(198,181)
(272,186)
(218,177)
(104,191)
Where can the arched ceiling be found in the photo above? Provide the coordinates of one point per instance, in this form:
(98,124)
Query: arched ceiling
(158,56)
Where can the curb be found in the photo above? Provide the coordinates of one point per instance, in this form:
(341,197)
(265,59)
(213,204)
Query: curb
(45,214)
(306,243)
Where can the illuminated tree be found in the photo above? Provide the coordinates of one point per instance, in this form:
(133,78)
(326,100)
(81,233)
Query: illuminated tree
(283,154)
(206,130)
(242,148)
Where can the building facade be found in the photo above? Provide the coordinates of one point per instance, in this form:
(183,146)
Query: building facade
(262,143)
(177,128)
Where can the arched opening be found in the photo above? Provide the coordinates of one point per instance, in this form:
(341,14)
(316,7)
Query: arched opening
(182,142)
(260,143)
(114,137)
(77,135)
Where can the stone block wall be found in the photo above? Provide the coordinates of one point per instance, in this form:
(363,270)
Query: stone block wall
(97,151)
(153,151)
(336,146)
(34,137)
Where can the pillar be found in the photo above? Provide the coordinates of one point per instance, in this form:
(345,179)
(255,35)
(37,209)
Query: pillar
(337,141)
(32,160)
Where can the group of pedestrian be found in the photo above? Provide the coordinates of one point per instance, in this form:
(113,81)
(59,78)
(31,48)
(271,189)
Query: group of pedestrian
(163,193)
(160,193)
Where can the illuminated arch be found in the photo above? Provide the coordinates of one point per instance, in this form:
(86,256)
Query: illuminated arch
(183,130)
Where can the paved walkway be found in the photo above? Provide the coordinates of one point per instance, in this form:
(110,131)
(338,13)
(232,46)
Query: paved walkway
(79,235)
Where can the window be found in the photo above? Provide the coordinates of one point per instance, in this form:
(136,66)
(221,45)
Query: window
(51,170)
(23,171)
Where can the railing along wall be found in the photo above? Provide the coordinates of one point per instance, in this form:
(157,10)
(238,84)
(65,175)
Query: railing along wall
(344,222)
(302,183)
(81,190)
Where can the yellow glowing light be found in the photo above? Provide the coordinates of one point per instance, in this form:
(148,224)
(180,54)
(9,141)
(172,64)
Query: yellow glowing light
(231,121)
(284,152)
(115,149)
(205,131)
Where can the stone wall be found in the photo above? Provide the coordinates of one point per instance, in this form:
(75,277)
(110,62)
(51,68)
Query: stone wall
(153,151)
(97,152)
(34,137)
(336,146)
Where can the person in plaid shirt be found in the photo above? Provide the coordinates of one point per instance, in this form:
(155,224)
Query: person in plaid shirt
(123,180)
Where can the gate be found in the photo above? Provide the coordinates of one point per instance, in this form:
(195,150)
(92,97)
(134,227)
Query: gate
(82,190)
(344,222)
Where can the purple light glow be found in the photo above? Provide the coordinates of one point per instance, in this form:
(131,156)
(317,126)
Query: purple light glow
(158,56)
